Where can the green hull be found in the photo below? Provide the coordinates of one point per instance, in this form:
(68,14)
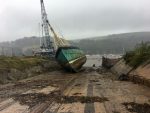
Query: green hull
(70,58)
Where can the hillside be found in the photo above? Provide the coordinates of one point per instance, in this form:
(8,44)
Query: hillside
(20,46)
(115,43)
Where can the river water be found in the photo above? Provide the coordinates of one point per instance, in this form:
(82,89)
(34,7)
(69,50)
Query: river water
(97,59)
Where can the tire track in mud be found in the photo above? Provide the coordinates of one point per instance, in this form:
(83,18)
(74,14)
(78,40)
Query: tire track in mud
(70,85)
(89,107)
(107,106)
(68,92)
(6,103)
(42,108)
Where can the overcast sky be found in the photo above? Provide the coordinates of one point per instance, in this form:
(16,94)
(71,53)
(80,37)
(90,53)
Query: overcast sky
(74,18)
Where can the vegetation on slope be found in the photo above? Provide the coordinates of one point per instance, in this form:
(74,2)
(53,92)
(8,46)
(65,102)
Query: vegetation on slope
(139,55)
(13,69)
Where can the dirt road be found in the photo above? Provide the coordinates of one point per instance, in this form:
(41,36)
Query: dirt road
(84,92)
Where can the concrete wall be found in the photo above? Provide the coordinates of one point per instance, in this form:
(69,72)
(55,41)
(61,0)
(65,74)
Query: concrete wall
(143,71)
(140,75)
(121,68)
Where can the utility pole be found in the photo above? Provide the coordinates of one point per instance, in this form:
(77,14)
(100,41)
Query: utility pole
(2,51)
(12,52)
(40,32)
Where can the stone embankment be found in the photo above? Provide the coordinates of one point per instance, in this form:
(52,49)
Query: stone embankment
(139,75)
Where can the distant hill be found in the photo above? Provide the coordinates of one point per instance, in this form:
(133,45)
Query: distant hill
(114,43)
(23,46)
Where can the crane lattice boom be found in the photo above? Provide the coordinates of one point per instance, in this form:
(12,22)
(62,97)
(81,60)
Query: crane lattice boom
(46,40)
(49,43)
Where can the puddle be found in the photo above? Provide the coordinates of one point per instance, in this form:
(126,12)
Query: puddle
(78,85)
(94,80)
(77,93)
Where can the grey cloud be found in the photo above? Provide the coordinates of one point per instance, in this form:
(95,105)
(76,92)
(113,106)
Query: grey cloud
(75,19)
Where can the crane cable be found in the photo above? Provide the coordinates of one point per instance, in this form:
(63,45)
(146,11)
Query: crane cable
(59,41)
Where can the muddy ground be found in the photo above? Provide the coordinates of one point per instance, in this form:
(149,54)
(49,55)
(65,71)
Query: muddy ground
(88,91)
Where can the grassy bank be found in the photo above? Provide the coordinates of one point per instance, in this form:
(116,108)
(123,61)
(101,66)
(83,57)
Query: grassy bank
(139,55)
(20,63)
(13,69)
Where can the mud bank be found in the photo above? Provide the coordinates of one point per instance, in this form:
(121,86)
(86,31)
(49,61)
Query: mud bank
(139,75)
(82,92)
(14,69)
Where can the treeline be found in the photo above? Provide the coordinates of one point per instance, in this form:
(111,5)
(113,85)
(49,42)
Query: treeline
(20,47)
(139,55)
(115,44)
